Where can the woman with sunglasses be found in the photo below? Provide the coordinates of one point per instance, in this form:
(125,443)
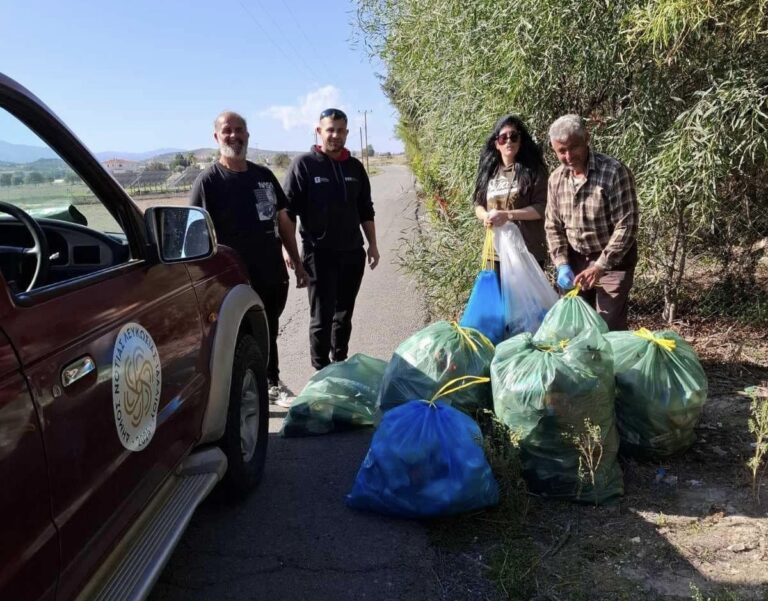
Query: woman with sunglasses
(511,184)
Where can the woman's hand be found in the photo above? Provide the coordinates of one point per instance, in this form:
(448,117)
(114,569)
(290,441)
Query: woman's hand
(495,218)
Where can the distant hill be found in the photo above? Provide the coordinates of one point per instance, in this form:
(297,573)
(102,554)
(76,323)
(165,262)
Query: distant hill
(204,153)
(167,156)
(136,156)
(23,153)
(20,154)
(44,164)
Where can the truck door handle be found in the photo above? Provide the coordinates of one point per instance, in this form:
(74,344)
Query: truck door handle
(76,370)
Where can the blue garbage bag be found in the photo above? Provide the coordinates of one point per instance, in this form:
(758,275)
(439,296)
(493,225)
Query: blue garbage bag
(485,308)
(425,460)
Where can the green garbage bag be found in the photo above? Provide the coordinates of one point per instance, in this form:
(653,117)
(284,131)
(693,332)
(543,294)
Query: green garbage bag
(552,395)
(568,317)
(430,358)
(340,396)
(660,391)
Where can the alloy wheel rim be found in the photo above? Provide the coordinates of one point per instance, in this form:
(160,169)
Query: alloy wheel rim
(249,415)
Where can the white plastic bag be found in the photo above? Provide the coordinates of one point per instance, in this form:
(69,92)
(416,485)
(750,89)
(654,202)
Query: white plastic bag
(526,292)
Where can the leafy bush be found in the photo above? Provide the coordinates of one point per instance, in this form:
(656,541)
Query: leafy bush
(281,160)
(675,88)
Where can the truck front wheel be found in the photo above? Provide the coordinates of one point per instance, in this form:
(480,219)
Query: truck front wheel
(245,437)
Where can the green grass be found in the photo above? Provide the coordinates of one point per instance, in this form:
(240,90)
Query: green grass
(513,560)
(719,595)
(30,195)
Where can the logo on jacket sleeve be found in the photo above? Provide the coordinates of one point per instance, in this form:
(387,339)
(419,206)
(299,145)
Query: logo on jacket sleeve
(136,383)
(321,180)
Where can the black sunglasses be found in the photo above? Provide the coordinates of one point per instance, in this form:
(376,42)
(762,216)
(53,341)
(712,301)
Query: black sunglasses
(333,114)
(513,136)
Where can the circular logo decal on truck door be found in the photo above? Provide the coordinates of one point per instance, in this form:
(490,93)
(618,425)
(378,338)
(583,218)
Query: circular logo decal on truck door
(136,379)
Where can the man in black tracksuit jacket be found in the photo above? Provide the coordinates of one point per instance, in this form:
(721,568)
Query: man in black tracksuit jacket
(330,193)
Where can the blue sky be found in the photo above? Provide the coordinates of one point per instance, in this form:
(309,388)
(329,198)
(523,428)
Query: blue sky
(141,75)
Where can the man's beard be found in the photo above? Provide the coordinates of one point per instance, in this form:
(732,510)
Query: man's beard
(229,152)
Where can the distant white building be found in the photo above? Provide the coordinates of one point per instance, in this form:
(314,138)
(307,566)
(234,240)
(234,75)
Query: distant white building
(121,165)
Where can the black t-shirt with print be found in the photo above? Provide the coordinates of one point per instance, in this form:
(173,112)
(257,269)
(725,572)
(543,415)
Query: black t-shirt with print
(243,206)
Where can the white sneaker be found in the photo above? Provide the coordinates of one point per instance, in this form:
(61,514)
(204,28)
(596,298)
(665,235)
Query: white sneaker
(273,392)
(284,400)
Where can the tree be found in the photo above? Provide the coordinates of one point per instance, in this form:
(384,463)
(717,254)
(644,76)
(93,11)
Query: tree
(34,177)
(156,166)
(6,179)
(179,162)
(369,151)
(18,179)
(281,160)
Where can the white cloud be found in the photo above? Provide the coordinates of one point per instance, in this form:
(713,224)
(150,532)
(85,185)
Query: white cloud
(308,108)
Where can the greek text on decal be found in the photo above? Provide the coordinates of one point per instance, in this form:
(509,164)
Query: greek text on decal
(136,384)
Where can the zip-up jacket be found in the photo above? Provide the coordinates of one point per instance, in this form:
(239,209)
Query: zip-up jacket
(331,198)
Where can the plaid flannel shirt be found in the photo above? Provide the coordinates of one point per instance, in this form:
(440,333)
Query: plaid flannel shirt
(599,215)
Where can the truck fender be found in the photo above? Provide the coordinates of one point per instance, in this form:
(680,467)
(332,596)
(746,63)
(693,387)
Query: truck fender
(241,310)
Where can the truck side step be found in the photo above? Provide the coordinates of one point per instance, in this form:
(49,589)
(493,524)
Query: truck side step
(138,561)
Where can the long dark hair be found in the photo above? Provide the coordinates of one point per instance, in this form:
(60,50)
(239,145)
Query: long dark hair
(529,155)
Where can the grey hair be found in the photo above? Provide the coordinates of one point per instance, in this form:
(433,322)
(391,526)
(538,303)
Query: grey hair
(566,127)
(223,114)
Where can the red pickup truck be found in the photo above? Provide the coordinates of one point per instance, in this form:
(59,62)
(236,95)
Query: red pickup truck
(132,369)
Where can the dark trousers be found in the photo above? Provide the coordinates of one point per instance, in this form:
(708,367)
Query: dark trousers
(611,297)
(272,286)
(334,281)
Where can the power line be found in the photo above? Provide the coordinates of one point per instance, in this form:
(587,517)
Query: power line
(298,24)
(301,60)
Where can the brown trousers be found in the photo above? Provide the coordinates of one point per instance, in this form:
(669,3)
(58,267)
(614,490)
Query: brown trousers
(610,298)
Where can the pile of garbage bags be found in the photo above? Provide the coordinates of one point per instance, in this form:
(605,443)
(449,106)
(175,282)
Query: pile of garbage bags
(574,393)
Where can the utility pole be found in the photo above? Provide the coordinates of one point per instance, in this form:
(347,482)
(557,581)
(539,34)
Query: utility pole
(362,150)
(365,122)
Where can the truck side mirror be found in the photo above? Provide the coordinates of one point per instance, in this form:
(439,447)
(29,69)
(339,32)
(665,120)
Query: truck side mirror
(181,233)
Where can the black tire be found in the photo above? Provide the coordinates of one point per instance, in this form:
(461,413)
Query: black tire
(244,473)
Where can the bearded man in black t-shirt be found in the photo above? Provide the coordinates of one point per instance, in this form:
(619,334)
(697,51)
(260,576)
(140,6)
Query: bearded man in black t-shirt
(248,209)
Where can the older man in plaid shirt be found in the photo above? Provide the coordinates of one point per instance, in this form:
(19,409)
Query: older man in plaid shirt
(591,221)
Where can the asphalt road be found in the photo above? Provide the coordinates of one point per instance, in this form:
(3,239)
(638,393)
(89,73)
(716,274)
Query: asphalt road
(294,538)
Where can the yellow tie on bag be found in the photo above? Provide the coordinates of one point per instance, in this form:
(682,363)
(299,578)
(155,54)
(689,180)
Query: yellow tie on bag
(665,343)
(488,253)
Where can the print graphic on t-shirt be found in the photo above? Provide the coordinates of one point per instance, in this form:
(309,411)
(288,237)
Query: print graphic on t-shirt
(502,193)
(266,202)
